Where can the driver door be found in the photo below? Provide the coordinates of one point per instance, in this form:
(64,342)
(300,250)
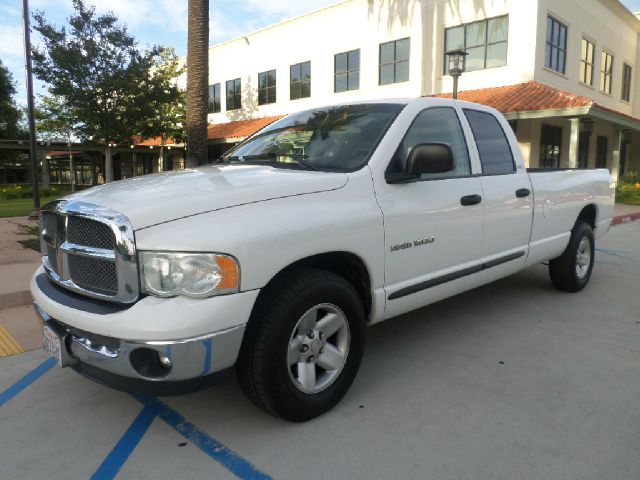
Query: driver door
(434,224)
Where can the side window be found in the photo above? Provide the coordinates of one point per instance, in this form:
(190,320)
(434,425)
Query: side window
(435,125)
(495,153)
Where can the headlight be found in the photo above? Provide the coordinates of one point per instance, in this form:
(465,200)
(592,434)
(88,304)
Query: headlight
(198,275)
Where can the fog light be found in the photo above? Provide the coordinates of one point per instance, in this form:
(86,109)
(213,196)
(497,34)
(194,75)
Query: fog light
(164,360)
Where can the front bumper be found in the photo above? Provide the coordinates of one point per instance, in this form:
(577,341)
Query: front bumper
(134,366)
(128,347)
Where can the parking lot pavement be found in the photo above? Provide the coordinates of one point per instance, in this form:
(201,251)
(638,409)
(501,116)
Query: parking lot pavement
(510,381)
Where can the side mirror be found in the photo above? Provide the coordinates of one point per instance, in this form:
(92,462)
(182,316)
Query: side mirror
(427,158)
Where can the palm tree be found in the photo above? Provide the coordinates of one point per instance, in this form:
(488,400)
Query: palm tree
(197,82)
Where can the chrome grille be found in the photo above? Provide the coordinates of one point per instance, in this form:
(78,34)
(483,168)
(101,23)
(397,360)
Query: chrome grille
(89,233)
(96,276)
(90,249)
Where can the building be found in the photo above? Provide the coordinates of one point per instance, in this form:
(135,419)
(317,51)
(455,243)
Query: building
(563,72)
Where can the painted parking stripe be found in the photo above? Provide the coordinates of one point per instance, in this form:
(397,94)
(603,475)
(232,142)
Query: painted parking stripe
(233,462)
(123,449)
(27,380)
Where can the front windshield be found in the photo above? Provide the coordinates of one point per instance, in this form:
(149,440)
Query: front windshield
(335,139)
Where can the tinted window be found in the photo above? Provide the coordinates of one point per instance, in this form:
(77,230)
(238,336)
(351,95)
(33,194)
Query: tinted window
(337,139)
(493,147)
(435,125)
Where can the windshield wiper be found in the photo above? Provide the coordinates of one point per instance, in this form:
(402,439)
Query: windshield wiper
(298,157)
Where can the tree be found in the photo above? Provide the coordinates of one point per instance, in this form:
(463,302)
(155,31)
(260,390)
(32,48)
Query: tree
(197,82)
(55,122)
(10,115)
(99,72)
(165,115)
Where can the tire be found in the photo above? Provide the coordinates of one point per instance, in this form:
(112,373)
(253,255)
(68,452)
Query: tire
(571,271)
(295,375)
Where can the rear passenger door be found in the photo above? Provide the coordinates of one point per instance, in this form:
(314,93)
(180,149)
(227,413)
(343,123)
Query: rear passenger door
(507,191)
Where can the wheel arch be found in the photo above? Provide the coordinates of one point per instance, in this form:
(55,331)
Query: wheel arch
(346,264)
(589,214)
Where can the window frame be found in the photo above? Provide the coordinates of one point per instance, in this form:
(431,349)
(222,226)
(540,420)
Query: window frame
(589,66)
(236,96)
(475,140)
(348,72)
(627,81)
(553,48)
(606,72)
(395,61)
(486,43)
(300,82)
(265,90)
(389,174)
(211,103)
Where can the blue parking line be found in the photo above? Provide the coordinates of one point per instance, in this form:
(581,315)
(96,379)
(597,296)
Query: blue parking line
(233,462)
(27,380)
(124,448)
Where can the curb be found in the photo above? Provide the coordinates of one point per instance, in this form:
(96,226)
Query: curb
(630,217)
(15,299)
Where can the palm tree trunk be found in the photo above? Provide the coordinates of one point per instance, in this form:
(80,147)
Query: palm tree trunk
(197,82)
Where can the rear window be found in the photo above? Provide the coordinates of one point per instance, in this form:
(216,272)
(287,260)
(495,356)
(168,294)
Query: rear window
(495,153)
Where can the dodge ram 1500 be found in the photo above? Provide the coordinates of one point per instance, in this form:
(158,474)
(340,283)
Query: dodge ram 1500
(274,259)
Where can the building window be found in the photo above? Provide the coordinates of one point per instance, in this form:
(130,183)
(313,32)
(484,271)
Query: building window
(394,62)
(607,72)
(214,98)
(347,71)
(234,94)
(267,87)
(587,60)
(626,82)
(556,52)
(601,152)
(485,42)
(300,81)
(550,146)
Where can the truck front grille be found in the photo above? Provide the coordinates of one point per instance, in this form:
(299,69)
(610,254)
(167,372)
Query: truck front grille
(90,249)
(94,275)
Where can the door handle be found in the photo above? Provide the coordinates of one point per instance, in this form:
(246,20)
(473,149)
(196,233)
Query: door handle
(523,193)
(470,200)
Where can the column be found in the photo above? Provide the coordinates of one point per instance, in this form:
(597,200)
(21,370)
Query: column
(574,139)
(615,157)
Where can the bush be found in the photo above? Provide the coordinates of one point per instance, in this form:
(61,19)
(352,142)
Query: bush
(14,192)
(632,178)
(628,191)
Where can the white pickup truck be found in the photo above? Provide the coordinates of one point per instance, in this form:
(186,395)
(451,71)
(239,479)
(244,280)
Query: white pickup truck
(275,259)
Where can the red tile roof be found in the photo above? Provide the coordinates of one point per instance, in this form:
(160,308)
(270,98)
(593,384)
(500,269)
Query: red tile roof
(238,129)
(530,97)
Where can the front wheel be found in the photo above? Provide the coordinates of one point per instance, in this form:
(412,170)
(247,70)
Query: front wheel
(572,270)
(303,344)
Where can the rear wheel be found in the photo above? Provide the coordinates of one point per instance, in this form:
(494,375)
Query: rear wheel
(303,345)
(572,270)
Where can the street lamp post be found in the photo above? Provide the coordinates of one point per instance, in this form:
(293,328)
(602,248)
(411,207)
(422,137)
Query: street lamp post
(457,60)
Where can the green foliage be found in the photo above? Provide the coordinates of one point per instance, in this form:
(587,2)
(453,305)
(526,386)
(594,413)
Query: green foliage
(55,121)
(166,101)
(10,115)
(98,73)
(628,191)
(14,192)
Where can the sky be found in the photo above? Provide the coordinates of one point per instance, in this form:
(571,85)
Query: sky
(156,22)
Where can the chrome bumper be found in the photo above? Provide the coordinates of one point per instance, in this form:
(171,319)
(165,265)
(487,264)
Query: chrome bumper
(189,359)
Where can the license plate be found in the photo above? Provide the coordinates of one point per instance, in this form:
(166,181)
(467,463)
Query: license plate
(52,344)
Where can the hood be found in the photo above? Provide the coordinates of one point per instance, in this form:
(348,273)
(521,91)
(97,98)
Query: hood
(158,198)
